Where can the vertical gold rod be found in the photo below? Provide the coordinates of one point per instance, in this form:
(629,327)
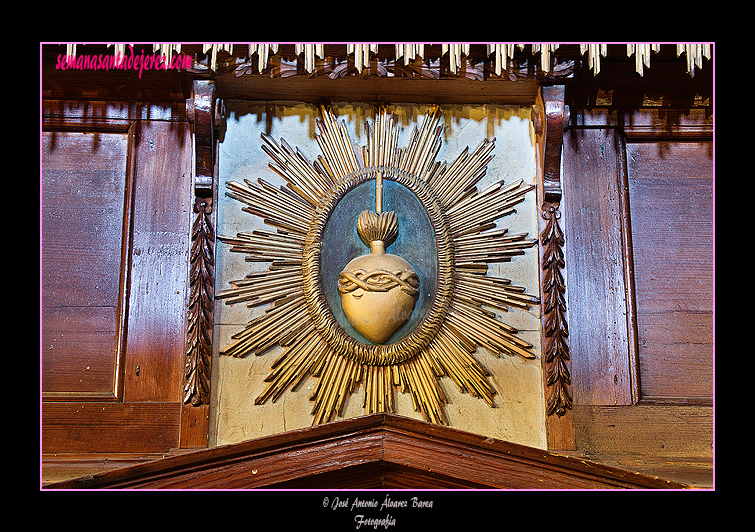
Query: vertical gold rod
(379,139)
(379,192)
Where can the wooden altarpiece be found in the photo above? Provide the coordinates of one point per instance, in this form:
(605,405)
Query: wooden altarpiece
(378,450)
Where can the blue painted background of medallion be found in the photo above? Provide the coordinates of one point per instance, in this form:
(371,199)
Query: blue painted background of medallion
(415,243)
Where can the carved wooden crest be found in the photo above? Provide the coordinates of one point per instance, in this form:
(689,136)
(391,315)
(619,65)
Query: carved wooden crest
(395,318)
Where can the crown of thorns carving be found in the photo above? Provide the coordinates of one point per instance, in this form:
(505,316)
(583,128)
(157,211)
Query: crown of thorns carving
(378,281)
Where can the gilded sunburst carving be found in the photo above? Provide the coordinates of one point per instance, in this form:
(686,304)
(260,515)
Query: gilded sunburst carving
(310,298)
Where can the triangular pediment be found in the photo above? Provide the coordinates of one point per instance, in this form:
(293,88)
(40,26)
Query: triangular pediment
(375,451)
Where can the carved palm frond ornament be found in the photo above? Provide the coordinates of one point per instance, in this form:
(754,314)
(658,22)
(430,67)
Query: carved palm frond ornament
(378,269)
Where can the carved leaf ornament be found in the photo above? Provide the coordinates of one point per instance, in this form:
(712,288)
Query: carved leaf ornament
(459,315)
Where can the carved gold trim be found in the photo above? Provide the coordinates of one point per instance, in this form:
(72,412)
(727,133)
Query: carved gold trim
(462,313)
(320,312)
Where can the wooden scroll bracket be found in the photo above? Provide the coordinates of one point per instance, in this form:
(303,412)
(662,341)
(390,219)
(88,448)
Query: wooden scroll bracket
(204,113)
(556,359)
(556,116)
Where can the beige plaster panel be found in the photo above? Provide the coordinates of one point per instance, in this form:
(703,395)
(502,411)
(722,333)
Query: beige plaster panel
(519,416)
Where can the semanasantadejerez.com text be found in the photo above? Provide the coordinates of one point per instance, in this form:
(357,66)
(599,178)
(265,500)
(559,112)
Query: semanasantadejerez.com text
(127,61)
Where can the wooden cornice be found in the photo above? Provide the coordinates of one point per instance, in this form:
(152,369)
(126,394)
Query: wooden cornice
(369,452)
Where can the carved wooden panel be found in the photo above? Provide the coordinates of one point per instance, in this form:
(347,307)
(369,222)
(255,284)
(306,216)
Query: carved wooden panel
(671,200)
(116,218)
(85,213)
(668,195)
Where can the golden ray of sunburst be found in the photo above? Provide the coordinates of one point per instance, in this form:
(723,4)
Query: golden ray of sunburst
(463,313)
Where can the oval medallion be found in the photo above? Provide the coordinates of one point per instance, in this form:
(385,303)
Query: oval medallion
(423,240)
(414,243)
